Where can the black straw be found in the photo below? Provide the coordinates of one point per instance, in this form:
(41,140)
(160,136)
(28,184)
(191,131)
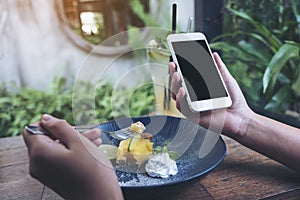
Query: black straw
(174,17)
(174,21)
(174,24)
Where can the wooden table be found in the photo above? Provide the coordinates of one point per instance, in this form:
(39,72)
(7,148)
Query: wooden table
(244,174)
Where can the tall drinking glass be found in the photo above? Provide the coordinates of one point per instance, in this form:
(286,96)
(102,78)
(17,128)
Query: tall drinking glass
(158,60)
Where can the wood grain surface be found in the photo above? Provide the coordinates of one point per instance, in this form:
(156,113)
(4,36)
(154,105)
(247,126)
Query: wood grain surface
(244,174)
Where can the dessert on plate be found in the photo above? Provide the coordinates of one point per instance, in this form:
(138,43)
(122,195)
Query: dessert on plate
(138,149)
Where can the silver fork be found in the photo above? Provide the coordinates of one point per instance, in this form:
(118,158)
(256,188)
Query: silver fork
(121,134)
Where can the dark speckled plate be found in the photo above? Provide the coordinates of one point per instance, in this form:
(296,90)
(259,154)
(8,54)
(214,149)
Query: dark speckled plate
(186,139)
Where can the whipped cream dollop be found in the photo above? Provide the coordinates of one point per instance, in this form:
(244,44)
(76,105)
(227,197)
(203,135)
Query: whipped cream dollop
(161,165)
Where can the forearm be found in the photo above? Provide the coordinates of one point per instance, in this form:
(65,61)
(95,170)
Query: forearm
(273,139)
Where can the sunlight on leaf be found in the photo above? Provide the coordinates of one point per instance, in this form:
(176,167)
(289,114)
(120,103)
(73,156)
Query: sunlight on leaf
(281,57)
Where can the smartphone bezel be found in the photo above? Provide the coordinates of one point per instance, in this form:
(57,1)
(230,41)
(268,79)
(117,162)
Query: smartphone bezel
(201,105)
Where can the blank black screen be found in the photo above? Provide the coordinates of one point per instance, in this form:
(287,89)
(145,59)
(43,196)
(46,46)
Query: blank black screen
(197,67)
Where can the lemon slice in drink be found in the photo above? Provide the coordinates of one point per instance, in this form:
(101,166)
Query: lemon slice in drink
(109,150)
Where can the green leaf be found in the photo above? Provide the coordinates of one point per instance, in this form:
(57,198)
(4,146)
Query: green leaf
(259,54)
(244,33)
(280,101)
(241,14)
(138,8)
(296,85)
(232,53)
(278,61)
(295,8)
(4,100)
(259,27)
(229,50)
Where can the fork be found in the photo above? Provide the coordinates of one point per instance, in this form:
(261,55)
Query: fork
(121,134)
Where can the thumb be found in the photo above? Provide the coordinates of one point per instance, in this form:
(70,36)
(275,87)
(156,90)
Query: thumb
(222,67)
(59,129)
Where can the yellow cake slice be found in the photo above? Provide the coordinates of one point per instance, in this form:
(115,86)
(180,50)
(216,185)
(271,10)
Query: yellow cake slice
(138,149)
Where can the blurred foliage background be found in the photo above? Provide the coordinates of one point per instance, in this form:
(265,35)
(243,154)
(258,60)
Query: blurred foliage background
(26,105)
(260,46)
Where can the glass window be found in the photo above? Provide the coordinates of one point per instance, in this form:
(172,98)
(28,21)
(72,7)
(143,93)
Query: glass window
(91,22)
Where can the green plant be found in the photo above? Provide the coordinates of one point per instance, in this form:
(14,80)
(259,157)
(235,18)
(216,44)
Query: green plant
(139,9)
(136,39)
(17,109)
(26,106)
(265,60)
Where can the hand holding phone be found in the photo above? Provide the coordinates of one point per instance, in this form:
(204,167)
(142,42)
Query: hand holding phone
(200,76)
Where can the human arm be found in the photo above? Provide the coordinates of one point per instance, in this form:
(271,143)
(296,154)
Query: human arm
(74,167)
(269,137)
(273,139)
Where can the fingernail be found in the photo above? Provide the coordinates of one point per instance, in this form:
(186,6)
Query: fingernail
(46,117)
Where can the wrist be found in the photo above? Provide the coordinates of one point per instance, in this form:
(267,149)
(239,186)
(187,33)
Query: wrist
(241,124)
(245,124)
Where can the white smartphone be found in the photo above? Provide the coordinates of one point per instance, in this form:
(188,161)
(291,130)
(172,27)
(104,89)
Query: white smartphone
(200,75)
